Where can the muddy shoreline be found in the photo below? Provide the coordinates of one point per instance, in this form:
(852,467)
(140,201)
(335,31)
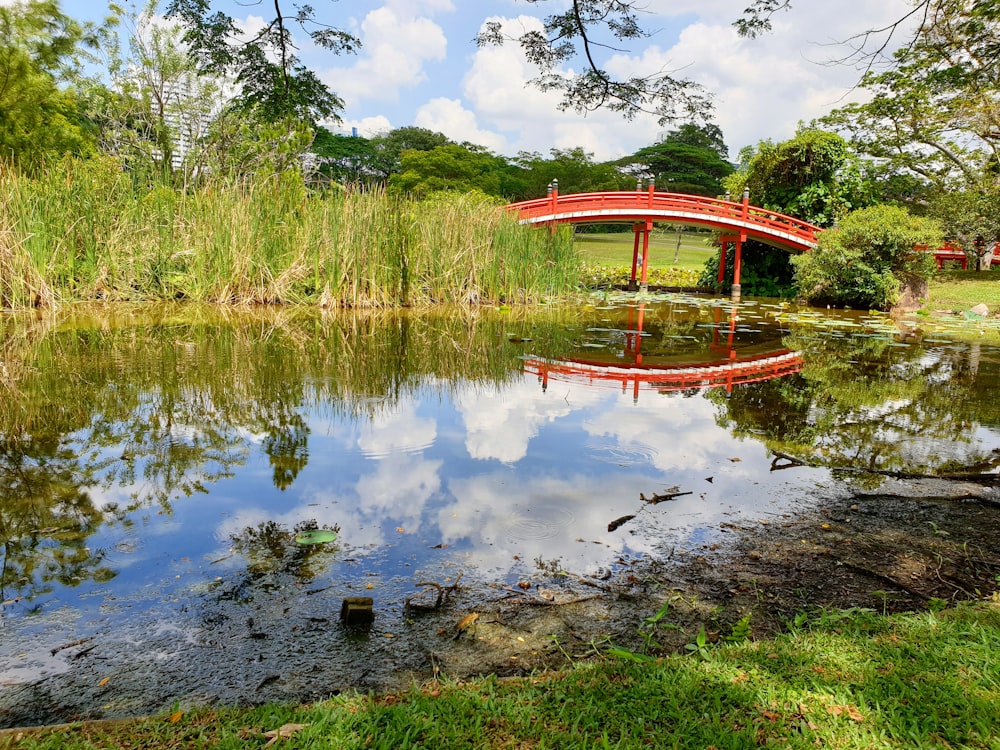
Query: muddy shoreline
(905,546)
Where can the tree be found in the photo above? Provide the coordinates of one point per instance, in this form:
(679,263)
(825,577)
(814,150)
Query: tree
(271,79)
(573,168)
(936,113)
(691,159)
(451,167)
(815,176)
(391,145)
(865,260)
(971,218)
(159,108)
(239,145)
(40,52)
(345,158)
(935,116)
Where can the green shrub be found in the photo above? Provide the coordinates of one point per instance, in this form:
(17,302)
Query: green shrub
(861,262)
(765,271)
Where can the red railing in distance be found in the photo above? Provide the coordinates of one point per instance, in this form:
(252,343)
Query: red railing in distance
(949,252)
(637,205)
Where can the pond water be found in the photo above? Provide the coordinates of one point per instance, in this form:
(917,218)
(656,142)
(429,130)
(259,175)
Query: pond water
(157,465)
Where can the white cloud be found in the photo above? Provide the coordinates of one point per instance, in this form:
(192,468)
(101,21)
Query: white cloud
(498,90)
(500,426)
(397,430)
(368,127)
(762,88)
(396,42)
(448,116)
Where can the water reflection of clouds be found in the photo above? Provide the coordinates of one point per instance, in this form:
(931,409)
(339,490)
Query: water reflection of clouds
(500,425)
(401,429)
(503,515)
(657,423)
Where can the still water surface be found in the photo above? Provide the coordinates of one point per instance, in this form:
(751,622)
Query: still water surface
(156,465)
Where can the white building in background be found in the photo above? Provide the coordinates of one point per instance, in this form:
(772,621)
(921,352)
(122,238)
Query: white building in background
(187,112)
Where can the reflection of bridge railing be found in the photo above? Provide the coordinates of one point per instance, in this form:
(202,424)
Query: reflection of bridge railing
(631,369)
(720,373)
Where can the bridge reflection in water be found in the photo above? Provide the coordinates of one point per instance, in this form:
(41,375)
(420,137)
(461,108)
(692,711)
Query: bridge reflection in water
(725,362)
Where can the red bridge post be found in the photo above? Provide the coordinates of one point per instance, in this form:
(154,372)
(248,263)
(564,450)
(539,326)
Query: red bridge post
(632,286)
(648,227)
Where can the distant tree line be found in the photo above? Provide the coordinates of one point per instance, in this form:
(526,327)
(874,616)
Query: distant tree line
(926,139)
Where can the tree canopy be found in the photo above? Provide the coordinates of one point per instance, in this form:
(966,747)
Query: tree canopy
(691,159)
(272,80)
(935,112)
(814,176)
(40,111)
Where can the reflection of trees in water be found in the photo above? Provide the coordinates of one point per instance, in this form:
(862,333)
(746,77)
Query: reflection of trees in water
(272,554)
(46,518)
(165,405)
(869,403)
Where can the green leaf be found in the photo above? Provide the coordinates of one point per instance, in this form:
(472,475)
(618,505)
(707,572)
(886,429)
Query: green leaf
(315,536)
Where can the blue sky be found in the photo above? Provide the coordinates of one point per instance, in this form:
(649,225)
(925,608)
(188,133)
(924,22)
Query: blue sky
(420,66)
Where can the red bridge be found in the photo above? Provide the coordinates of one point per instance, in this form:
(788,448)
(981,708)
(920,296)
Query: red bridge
(642,208)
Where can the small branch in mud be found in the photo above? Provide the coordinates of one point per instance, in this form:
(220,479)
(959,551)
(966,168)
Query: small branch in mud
(789,462)
(537,601)
(411,603)
(658,497)
(880,577)
(71,644)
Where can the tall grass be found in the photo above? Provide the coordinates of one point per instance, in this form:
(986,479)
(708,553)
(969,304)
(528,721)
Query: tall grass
(82,231)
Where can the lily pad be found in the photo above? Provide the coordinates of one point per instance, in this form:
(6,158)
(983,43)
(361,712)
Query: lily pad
(315,536)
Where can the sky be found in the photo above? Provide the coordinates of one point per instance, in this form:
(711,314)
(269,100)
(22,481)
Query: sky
(419,65)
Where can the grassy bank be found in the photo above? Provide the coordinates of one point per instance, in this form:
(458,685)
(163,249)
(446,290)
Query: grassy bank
(838,680)
(83,231)
(958,291)
(607,258)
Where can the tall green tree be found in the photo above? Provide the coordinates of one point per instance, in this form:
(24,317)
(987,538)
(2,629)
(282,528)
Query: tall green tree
(389,147)
(345,158)
(935,113)
(970,218)
(272,81)
(453,167)
(41,113)
(691,159)
(575,170)
(815,176)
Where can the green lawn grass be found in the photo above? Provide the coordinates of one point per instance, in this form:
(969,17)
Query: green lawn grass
(615,249)
(841,680)
(958,291)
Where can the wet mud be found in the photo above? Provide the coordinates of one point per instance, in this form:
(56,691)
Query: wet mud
(905,546)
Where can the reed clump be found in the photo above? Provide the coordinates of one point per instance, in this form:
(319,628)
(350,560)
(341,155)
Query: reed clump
(82,230)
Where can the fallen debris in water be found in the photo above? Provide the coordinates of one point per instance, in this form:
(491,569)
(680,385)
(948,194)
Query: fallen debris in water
(418,602)
(619,522)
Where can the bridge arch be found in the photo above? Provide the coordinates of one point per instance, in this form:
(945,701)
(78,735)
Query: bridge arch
(737,221)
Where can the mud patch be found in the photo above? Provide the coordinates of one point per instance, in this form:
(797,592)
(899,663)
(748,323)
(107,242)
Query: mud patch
(906,546)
